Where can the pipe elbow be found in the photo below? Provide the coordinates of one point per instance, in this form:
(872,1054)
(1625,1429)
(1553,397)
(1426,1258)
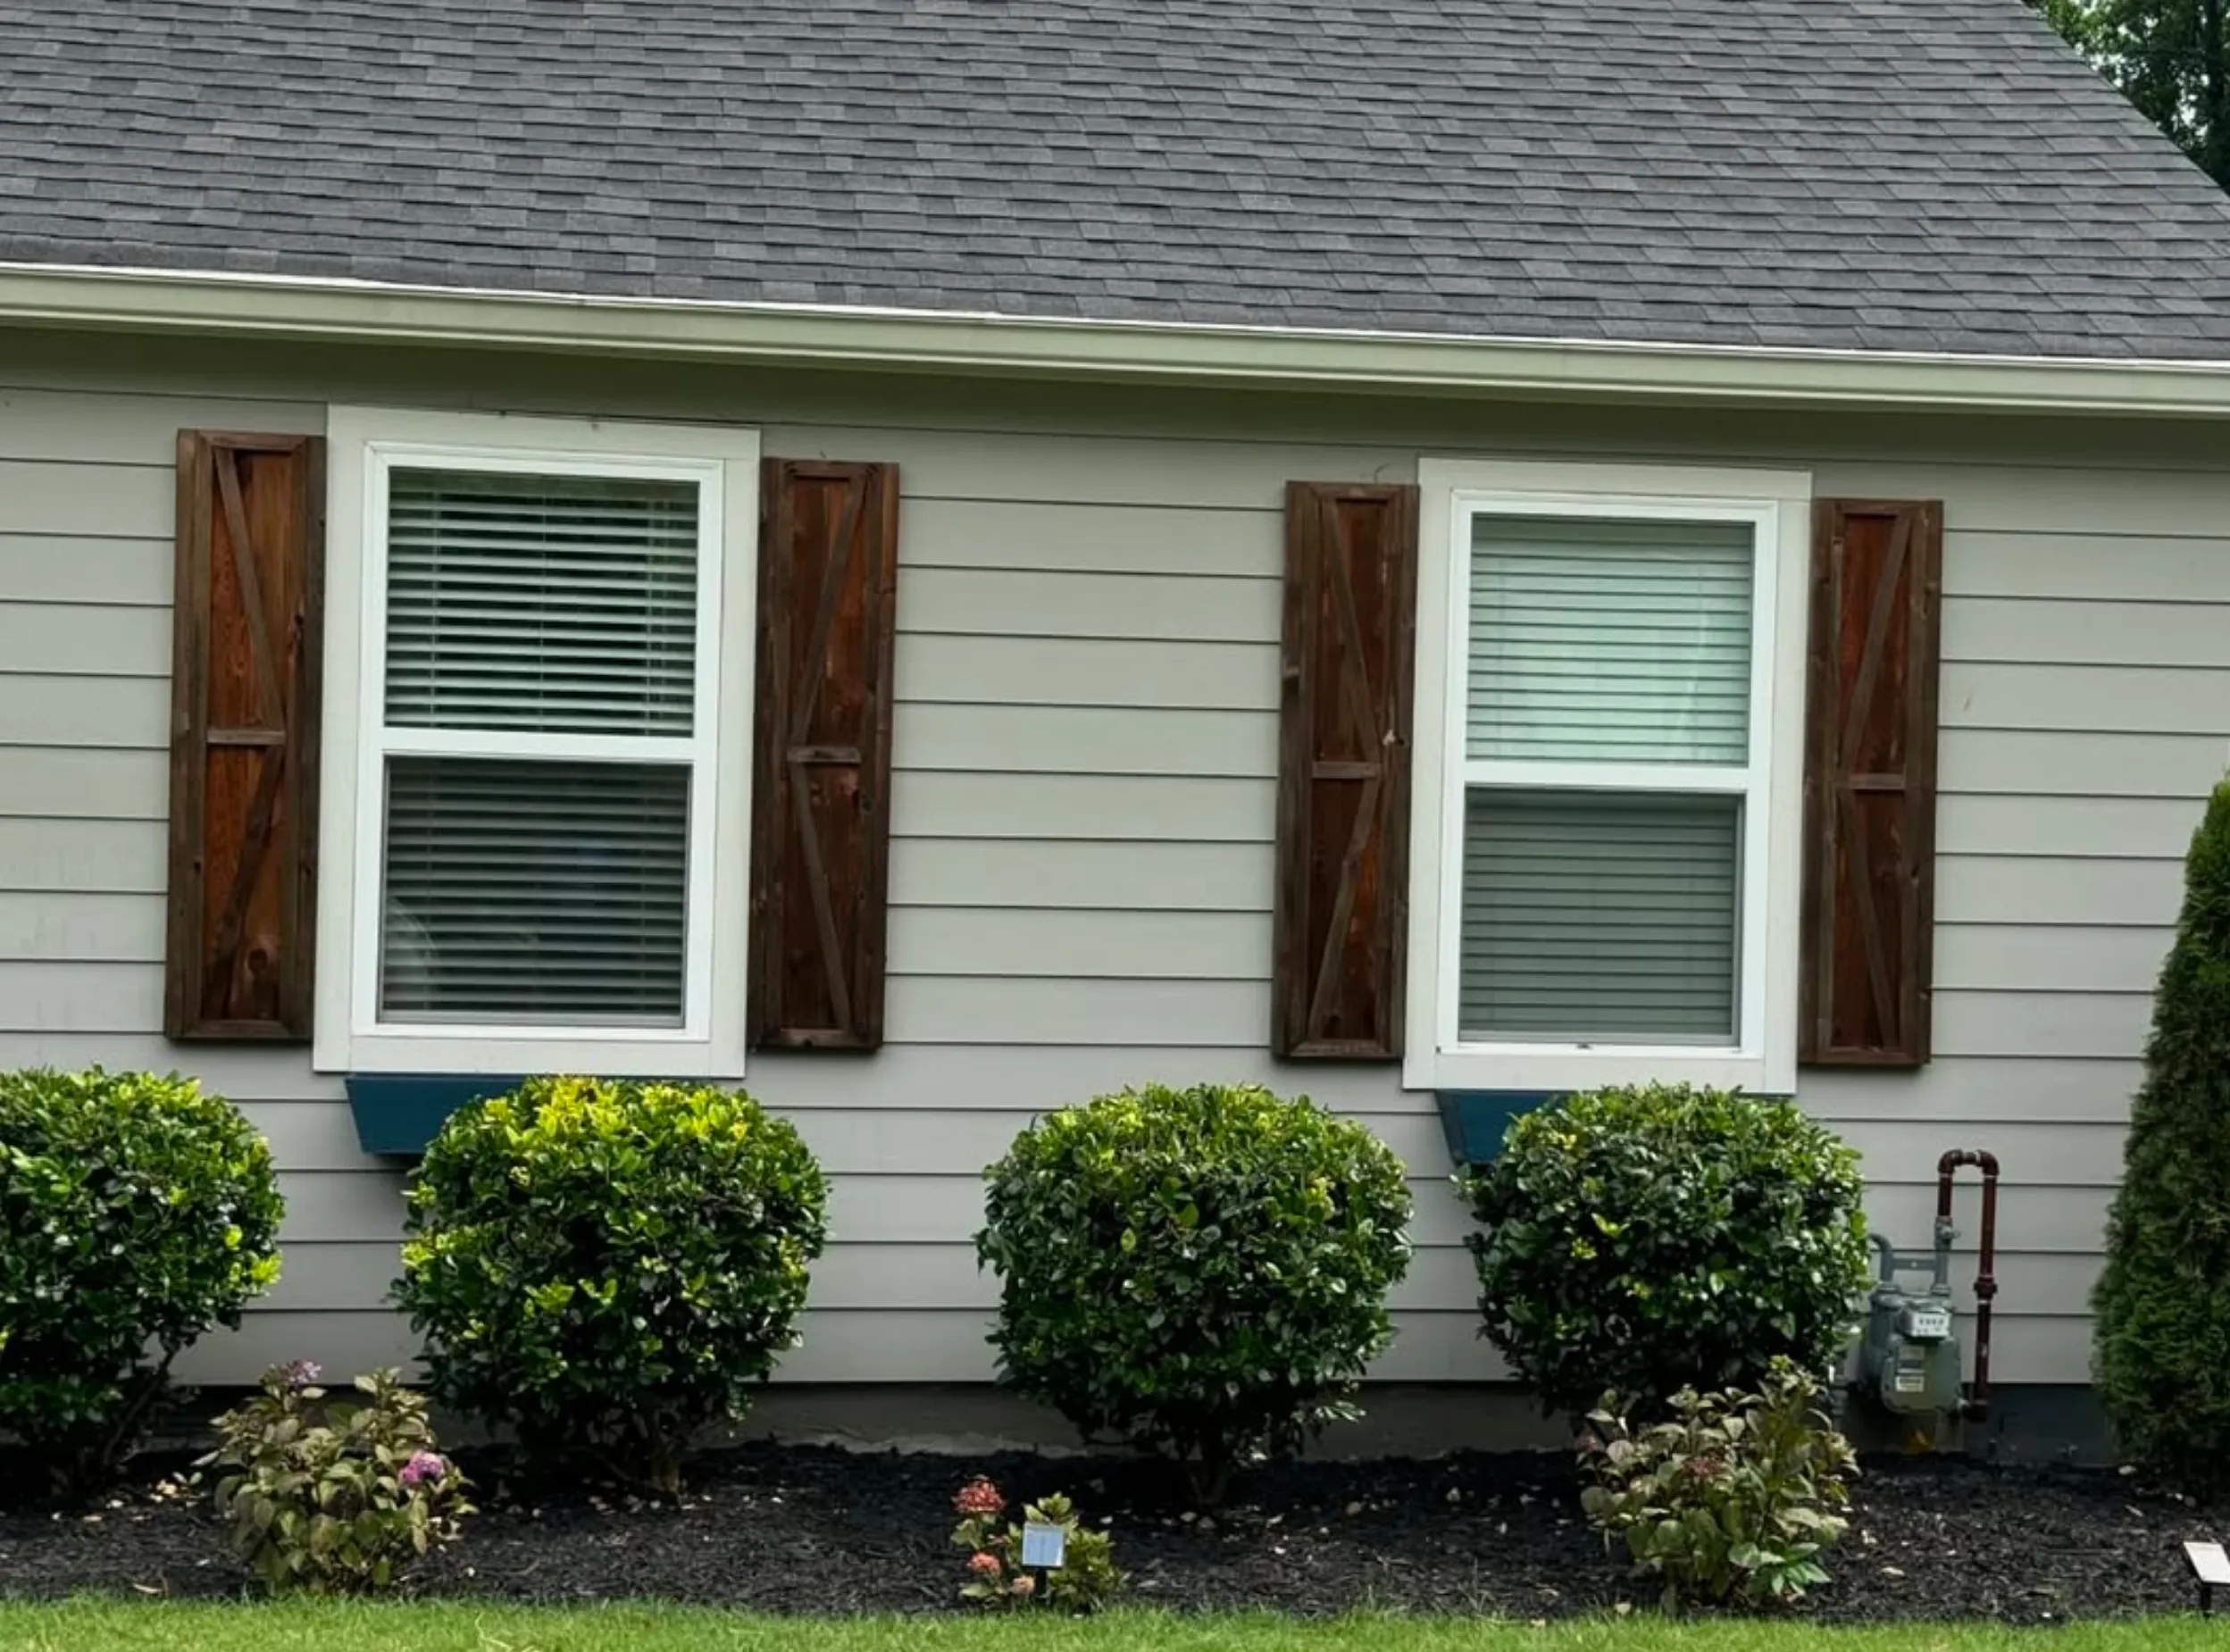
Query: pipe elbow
(1981,1158)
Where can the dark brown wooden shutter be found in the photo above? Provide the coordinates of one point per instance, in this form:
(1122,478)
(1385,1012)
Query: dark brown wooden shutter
(821,803)
(1343,897)
(247,632)
(1870,783)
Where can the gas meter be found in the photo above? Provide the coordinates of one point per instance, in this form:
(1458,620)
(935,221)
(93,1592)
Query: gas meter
(1910,1360)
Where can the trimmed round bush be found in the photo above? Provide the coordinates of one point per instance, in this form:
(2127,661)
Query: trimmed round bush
(136,1213)
(606,1267)
(1639,1241)
(1202,1272)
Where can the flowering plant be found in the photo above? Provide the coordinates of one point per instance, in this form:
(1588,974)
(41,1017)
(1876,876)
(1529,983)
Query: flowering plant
(336,1497)
(1085,1580)
(1733,1499)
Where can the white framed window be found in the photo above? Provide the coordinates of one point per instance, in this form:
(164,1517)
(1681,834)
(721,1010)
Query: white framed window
(1607,804)
(534,831)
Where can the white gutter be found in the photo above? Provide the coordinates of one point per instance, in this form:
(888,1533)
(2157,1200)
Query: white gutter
(294,308)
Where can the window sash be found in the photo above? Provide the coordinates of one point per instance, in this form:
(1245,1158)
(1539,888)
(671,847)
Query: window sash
(1550,887)
(1462,774)
(379,741)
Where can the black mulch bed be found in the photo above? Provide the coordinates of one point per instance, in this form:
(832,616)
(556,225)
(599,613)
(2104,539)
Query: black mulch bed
(806,1529)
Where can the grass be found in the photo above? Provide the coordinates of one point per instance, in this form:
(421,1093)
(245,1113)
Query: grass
(111,1626)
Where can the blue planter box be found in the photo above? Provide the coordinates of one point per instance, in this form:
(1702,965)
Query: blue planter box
(398,1113)
(1476,1120)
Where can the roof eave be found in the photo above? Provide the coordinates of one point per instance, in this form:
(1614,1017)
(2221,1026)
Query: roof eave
(298,308)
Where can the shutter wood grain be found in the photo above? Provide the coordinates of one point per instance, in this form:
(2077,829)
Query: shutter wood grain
(247,634)
(1865,987)
(1348,656)
(820,816)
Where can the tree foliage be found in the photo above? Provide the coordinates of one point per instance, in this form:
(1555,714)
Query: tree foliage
(2170,57)
(2163,1302)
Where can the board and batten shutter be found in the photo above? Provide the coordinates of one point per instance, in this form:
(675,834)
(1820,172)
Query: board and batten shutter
(246,637)
(820,797)
(1870,783)
(1347,667)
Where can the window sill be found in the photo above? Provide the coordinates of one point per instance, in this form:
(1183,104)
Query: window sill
(1534,1071)
(470,1052)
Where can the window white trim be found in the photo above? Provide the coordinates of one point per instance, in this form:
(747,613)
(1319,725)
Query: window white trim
(1777,505)
(363,444)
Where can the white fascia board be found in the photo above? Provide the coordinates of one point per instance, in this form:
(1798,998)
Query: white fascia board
(295,308)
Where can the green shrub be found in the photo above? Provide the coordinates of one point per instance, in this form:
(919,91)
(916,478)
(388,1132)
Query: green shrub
(333,1498)
(1733,1499)
(136,1214)
(1650,1240)
(607,1267)
(2163,1300)
(1203,1271)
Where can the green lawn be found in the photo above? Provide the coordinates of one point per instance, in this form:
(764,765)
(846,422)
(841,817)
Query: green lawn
(99,1626)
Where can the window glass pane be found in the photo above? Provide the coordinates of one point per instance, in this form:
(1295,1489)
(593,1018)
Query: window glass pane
(1609,641)
(534,893)
(1600,917)
(549,603)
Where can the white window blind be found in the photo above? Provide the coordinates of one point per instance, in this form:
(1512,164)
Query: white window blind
(554,603)
(1609,641)
(540,698)
(1599,915)
(533,894)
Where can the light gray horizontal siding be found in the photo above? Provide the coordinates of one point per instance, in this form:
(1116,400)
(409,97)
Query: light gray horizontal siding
(878,1137)
(110,999)
(1980,1097)
(1087,679)
(944,1277)
(1089,943)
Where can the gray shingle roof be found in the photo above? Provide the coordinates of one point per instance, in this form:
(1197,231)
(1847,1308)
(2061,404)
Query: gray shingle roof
(1879,174)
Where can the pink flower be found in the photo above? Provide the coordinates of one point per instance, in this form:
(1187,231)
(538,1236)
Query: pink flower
(979,1497)
(1702,1468)
(424,1468)
(1025,1584)
(301,1372)
(983,1564)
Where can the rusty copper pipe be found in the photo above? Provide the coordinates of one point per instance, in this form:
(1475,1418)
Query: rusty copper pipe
(1986,1275)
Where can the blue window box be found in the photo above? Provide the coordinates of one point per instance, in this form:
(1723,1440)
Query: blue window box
(398,1113)
(1475,1122)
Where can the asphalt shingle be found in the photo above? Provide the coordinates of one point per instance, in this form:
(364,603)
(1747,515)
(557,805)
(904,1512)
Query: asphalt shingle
(1872,174)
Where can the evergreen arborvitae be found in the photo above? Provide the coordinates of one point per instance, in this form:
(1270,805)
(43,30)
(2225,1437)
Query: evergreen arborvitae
(2163,1302)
